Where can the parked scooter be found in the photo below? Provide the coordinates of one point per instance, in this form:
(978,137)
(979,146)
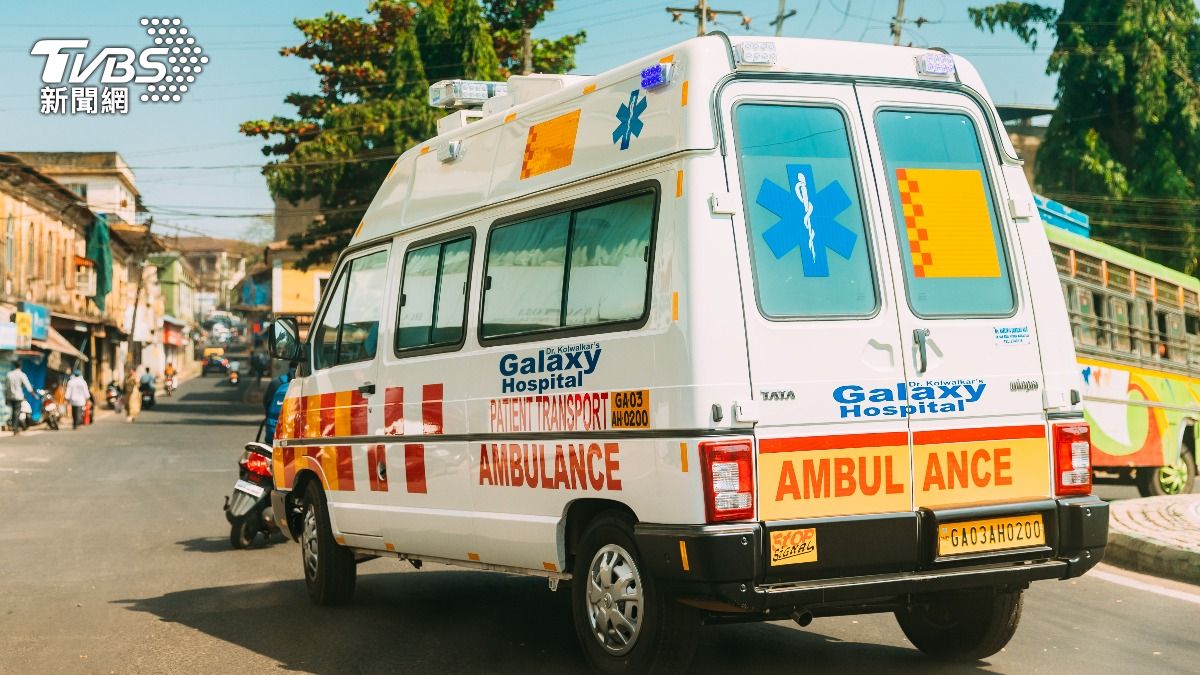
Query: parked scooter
(248,509)
(112,396)
(51,411)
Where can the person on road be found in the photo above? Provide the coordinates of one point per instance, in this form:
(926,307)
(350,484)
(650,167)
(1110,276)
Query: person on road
(133,396)
(15,386)
(77,396)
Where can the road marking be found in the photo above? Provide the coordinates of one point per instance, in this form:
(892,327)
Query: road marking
(1130,582)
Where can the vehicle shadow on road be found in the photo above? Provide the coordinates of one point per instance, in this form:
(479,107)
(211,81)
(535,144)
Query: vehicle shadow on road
(221,544)
(451,621)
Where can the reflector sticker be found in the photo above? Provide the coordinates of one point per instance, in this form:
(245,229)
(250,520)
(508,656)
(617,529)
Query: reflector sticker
(948,225)
(961,467)
(550,145)
(841,475)
(790,547)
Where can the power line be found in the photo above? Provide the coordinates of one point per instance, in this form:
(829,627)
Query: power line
(783,15)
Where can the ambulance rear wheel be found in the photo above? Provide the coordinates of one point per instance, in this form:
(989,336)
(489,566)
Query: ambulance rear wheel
(624,624)
(329,567)
(962,626)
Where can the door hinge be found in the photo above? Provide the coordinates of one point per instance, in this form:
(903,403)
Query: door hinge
(743,413)
(1019,209)
(722,203)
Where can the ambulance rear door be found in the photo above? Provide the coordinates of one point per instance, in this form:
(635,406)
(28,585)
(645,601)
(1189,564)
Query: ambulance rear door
(826,356)
(969,340)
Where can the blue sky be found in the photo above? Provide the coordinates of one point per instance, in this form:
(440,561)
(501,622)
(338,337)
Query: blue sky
(196,171)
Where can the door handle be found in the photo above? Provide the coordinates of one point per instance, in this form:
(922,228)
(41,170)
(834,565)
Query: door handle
(366,389)
(919,335)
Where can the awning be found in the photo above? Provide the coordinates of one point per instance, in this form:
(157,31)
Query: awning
(55,342)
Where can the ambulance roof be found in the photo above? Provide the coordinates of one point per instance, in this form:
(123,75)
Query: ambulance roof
(598,124)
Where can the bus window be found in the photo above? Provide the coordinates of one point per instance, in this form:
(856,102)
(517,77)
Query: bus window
(1141,328)
(1072,309)
(1176,350)
(1087,320)
(1118,311)
(1161,348)
(1102,326)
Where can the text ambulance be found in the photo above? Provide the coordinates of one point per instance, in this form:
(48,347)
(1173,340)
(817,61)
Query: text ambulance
(745,329)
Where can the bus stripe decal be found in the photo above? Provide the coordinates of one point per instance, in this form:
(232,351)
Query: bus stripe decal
(414,467)
(393,411)
(431,409)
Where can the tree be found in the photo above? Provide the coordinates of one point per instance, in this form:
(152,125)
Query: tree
(512,31)
(371,105)
(1124,142)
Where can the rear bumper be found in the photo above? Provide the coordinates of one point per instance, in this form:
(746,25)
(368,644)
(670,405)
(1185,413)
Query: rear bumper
(864,560)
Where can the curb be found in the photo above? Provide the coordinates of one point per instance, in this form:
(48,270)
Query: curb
(1156,535)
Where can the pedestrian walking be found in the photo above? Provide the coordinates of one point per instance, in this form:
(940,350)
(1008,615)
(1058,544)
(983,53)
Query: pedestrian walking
(77,396)
(15,386)
(133,396)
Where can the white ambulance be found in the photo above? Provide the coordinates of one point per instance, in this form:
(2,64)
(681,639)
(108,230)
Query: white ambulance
(747,329)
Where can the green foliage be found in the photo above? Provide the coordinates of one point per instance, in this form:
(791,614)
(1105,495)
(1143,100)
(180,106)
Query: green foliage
(512,20)
(1124,143)
(371,104)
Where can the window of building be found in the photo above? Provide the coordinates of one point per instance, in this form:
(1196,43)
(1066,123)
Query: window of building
(951,241)
(585,267)
(796,161)
(433,295)
(80,189)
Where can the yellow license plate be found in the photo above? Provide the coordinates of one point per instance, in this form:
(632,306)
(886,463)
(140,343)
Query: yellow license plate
(992,534)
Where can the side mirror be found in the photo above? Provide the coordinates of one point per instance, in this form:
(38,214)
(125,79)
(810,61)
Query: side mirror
(284,340)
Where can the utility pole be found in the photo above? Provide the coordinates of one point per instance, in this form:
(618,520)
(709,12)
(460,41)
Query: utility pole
(897,22)
(782,16)
(137,297)
(704,14)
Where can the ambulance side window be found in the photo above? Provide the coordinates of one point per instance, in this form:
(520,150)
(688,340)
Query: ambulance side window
(433,295)
(951,243)
(583,267)
(325,340)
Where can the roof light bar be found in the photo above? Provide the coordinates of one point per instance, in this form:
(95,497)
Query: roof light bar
(452,94)
(753,53)
(938,64)
(657,75)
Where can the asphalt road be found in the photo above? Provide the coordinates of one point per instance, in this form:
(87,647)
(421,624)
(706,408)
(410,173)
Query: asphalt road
(114,557)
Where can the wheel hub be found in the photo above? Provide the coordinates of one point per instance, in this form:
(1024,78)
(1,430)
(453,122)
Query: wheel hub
(615,599)
(308,541)
(1172,478)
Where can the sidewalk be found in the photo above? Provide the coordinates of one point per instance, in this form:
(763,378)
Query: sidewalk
(1158,535)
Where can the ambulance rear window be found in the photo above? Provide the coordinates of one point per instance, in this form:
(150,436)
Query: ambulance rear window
(808,243)
(950,238)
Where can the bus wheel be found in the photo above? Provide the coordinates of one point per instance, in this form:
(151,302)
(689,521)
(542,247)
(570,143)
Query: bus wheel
(962,626)
(329,568)
(1177,479)
(624,624)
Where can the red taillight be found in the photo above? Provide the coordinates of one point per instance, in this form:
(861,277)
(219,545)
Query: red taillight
(256,463)
(1072,459)
(728,474)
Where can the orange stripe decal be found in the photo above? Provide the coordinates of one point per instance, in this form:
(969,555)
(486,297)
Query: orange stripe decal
(683,96)
(978,434)
(840,442)
(589,89)
(510,117)
(679,183)
(473,556)
(683,464)
(667,59)
(550,567)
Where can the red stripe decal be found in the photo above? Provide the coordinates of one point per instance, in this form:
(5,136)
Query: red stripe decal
(328,409)
(345,468)
(393,411)
(979,434)
(358,414)
(376,460)
(431,409)
(840,442)
(414,467)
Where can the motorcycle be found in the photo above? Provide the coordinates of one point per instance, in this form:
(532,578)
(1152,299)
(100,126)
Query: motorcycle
(148,398)
(169,385)
(233,377)
(112,396)
(51,411)
(248,509)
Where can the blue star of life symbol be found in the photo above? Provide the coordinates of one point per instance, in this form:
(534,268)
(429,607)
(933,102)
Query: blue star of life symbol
(629,117)
(807,219)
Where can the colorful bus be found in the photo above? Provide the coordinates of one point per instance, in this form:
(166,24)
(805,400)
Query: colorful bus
(1136,326)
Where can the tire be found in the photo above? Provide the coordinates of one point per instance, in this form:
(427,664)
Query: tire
(1169,480)
(52,423)
(962,626)
(664,632)
(241,533)
(329,567)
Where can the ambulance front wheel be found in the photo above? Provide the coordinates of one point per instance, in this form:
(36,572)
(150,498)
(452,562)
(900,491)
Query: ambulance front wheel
(329,567)
(962,626)
(624,624)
